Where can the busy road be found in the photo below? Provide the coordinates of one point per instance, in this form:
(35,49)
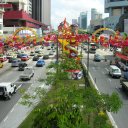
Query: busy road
(106,84)
(11,74)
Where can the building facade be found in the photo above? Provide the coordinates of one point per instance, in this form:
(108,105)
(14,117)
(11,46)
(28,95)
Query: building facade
(96,20)
(115,8)
(17,13)
(74,21)
(41,11)
(83,20)
(46,12)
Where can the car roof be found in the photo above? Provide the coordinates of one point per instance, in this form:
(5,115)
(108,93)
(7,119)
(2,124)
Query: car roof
(29,67)
(114,67)
(5,84)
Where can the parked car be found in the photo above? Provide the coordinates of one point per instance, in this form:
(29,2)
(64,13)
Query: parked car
(1,64)
(15,63)
(114,71)
(46,57)
(40,63)
(25,58)
(21,66)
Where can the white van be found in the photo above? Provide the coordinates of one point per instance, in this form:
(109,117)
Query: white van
(114,71)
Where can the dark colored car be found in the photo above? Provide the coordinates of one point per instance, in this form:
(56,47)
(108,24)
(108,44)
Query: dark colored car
(21,66)
(46,57)
(35,58)
(11,59)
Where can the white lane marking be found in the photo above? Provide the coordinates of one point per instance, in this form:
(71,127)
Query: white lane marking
(5,118)
(19,87)
(12,110)
(109,79)
(109,114)
(106,69)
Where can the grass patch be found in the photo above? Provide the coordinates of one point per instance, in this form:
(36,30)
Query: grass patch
(27,123)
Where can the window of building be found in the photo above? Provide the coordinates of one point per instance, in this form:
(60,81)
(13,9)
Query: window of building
(0,16)
(1,26)
(116,0)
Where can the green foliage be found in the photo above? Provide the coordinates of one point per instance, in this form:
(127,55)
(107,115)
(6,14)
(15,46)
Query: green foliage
(112,103)
(69,106)
(63,111)
(101,122)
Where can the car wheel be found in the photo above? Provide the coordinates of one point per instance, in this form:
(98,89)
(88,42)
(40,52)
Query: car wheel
(9,96)
(14,90)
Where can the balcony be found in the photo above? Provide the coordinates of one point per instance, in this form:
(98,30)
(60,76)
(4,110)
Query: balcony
(20,15)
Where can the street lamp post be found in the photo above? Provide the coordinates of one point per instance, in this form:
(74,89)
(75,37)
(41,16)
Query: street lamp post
(57,53)
(88,61)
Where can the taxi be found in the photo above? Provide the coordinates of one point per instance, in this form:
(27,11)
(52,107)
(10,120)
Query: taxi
(1,64)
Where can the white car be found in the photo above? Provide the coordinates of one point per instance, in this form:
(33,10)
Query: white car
(114,71)
(7,89)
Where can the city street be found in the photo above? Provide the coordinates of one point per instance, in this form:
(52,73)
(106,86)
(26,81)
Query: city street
(106,84)
(8,107)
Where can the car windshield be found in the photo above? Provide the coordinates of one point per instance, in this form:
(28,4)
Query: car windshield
(115,70)
(1,89)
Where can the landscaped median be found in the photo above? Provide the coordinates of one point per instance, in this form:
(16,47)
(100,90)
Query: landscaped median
(71,104)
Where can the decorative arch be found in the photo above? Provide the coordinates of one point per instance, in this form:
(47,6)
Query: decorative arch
(104,29)
(25,28)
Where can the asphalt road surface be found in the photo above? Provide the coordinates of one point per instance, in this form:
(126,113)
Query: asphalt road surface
(107,84)
(11,74)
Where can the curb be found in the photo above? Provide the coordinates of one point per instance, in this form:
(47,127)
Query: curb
(108,113)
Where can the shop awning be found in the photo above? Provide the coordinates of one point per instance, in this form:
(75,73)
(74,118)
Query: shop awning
(120,55)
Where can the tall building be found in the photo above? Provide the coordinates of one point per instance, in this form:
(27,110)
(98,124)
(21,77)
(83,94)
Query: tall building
(115,8)
(46,12)
(36,10)
(41,11)
(83,20)
(96,20)
(74,21)
(93,13)
(17,13)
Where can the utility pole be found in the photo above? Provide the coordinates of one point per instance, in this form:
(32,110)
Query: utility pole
(88,61)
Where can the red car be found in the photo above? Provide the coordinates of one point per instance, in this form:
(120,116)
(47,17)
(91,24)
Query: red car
(24,58)
(3,58)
